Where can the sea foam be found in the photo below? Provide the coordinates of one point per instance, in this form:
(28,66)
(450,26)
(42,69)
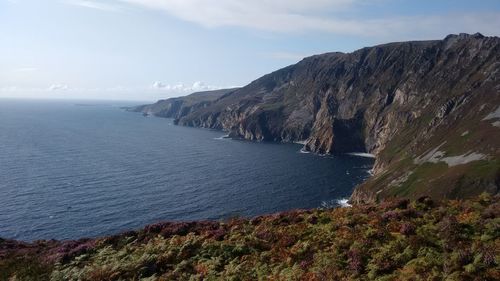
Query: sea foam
(361,154)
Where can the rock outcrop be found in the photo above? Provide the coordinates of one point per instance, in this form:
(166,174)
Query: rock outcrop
(397,101)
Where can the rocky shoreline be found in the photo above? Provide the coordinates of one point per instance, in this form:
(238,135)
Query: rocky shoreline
(397,101)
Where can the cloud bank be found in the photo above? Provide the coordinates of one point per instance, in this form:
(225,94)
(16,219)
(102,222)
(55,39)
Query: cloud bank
(58,87)
(157,90)
(182,88)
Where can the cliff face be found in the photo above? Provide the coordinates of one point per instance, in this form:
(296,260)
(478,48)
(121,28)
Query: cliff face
(428,110)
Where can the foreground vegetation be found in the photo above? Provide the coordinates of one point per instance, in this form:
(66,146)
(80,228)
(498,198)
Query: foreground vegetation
(394,240)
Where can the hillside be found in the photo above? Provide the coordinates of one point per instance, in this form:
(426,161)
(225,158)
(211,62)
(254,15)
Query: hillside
(181,106)
(428,110)
(396,240)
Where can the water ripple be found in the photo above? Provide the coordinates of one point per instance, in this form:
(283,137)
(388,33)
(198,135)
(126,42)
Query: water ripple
(68,172)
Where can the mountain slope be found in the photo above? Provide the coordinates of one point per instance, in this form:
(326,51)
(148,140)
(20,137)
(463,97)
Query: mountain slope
(428,110)
(180,106)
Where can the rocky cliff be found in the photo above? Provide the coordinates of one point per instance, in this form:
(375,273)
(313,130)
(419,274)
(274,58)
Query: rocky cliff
(428,110)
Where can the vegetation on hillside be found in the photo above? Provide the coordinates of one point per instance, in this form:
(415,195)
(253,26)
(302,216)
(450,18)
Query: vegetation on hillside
(393,240)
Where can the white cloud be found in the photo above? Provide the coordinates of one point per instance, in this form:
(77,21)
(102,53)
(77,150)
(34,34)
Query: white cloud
(152,93)
(319,15)
(200,86)
(57,87)
(181,88)
(158,85)
(278,15)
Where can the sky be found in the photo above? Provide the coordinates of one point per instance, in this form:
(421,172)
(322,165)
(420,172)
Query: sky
(152,49)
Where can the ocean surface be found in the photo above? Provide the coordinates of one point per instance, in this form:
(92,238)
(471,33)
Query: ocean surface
(72,169)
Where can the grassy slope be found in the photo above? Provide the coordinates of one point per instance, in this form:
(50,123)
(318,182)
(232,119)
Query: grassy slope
(189,100)
(396,240)
(464,132)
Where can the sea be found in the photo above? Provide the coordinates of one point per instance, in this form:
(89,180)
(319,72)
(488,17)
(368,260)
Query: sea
(71,169)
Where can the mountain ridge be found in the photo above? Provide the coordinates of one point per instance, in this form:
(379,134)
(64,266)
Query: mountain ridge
(399,101)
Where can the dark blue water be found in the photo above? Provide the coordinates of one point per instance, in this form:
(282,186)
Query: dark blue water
(69,171)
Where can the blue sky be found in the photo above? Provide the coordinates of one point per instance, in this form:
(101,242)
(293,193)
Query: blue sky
(150,49)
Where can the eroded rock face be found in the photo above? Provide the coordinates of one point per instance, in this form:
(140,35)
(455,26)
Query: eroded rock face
(372,92)
(396,101)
